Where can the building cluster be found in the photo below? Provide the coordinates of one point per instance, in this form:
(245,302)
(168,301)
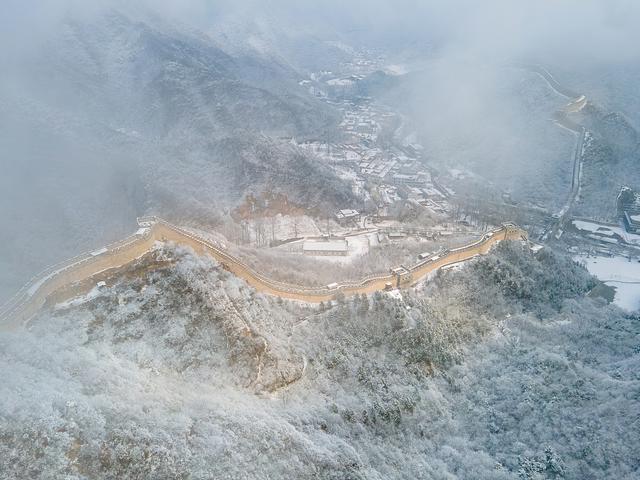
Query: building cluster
(362,122)
(348,217)
(391,175)
(326,246)
(382,170)
(398,176)
(628,204)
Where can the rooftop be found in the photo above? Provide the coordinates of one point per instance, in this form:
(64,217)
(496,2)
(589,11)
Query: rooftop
(347,213)
(326,246)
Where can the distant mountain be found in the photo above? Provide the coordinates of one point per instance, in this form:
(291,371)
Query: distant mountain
(493,123)
(162,82)
(620,133)
(610,161)
(120,116)
(281,40)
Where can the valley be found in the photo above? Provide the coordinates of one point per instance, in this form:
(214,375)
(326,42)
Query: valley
(263,240)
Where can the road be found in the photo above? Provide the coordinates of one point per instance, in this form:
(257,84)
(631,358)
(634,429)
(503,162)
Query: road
(577,103)
(565,213)
(550,79)
(70,280)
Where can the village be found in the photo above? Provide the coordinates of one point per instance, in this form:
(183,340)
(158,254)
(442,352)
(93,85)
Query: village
(402,206)
(408,211)
(386,169)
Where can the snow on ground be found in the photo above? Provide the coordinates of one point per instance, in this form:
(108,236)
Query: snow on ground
(359,245)
(215,238)
(606,230)
(395,294)
(620,273)
(396,70)
(74,302)
(602,239)
(346,174)
(627,295)
(283,227)
(287,226)
(340,82)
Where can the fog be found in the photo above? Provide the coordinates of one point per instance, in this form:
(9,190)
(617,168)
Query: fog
(589,30)
(215,115)
(71,84)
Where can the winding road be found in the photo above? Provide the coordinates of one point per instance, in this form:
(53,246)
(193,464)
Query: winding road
(68,280)
(577,103)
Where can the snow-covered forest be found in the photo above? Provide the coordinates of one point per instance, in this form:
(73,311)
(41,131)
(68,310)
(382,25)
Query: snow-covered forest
(504,369)
(470,169)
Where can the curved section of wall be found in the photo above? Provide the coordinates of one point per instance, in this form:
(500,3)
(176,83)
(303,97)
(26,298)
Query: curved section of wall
(32,297)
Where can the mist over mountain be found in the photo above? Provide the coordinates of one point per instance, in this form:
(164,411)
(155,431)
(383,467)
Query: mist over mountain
(332,240)
(132,102)
(126,119)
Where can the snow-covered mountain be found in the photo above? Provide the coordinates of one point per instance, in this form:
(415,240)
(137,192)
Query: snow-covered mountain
(117,115)
(176,369)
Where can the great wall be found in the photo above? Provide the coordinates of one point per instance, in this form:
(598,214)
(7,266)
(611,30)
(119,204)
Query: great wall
(60,279)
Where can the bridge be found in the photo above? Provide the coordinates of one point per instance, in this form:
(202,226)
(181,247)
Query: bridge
(63,280)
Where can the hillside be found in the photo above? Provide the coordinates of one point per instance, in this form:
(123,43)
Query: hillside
(177,370)
(117,116)
(610,161)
